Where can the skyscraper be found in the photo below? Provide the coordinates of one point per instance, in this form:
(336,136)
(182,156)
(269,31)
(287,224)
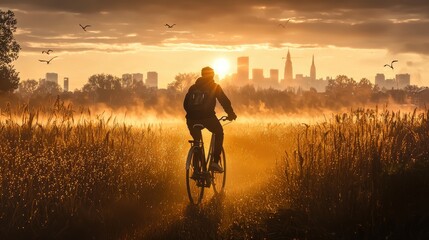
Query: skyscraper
(52,77)
(313,70)
(257,75)
(137,77)
(402,80)
(288,70)
(152,80)
(274,75)
(66,84)
(242,71)
(379,79)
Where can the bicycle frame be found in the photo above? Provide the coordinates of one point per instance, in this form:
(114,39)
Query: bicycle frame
(200,145)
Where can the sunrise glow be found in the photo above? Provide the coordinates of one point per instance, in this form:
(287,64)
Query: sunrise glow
(221,67)
(214,119)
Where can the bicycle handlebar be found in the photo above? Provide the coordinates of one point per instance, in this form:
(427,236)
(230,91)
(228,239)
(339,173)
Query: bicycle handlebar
(223,118)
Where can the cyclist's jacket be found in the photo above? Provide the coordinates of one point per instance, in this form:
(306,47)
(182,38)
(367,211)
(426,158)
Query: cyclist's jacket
(200,101)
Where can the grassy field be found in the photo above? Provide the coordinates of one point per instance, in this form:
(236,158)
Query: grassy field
(68,173)
(362,175)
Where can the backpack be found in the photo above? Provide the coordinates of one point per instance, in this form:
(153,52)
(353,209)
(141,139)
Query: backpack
(197,99)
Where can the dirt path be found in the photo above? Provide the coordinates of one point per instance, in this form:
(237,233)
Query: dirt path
(216,218)
(219,216)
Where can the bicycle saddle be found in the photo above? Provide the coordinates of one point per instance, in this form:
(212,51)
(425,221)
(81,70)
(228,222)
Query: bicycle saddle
(198,126)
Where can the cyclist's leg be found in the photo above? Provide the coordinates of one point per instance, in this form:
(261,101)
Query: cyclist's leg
(214,126)
(195,133)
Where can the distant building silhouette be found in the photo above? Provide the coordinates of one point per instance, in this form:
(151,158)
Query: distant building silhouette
(400,81)
(274,76)
(288,82)
(302,82)
(66,84)
(257,75)
(127,76)
(152,80)
(403,80)
(52,77)
(379,79)
(260,81)
(137,77)
(313,70)
(127,79)
(288,74)
(242,71)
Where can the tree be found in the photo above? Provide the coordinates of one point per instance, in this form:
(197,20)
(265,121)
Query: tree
(103,87)
(9,50)
(183,81)
(27,87)
(340,91)
(364,90)
(9,78)
(48,87)
(411,89)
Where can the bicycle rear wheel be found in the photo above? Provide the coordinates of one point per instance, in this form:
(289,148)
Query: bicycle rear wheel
(219,179)
(194,175)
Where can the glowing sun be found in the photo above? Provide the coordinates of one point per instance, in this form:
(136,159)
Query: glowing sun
(221,67)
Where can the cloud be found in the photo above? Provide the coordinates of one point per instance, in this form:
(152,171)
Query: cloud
(395,25)
(221,6)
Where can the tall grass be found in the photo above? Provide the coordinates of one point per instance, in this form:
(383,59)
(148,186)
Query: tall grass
(64,172)
(69,173)
(362,174)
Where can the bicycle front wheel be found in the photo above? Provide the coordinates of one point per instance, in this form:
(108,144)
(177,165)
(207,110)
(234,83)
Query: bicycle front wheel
(194,175)
(219,179)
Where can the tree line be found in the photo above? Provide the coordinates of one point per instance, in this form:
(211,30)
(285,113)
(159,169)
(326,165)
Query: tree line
(117,93)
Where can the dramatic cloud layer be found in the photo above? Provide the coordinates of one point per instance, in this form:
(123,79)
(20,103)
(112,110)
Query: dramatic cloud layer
(399,26)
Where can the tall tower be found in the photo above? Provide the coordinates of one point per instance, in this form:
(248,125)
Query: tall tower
(313,71)
(242,71)
(152,80)
(274,75)
(66,84)
(379,79)
(137,77)
(288,69)
(52,77)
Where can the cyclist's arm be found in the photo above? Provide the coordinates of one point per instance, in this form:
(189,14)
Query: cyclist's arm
(185,102)
(224,101)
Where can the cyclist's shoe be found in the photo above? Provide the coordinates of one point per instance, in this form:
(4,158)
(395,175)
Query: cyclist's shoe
(200,183)
(215,167)
(195,176)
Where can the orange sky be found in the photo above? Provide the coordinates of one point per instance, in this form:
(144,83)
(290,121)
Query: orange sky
(355,39)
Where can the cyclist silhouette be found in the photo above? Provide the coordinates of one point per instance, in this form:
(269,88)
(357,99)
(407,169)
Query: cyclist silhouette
(199,103)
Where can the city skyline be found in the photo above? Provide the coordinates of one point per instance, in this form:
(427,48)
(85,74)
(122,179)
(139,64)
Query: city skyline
(151,80)
(350,38)
(258,79)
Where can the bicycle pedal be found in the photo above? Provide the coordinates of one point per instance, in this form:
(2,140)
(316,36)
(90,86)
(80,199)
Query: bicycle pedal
(198,176)
(200,184)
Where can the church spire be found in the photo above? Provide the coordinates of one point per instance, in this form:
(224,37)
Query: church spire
(313,70)
(288,69)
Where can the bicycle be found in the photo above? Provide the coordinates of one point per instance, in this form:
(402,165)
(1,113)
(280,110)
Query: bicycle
(198,175)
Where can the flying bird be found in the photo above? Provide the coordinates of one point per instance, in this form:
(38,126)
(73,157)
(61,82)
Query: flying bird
(47,52)
(284,25)
(47,61)
(84,27)
(169,26)
(391,64)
